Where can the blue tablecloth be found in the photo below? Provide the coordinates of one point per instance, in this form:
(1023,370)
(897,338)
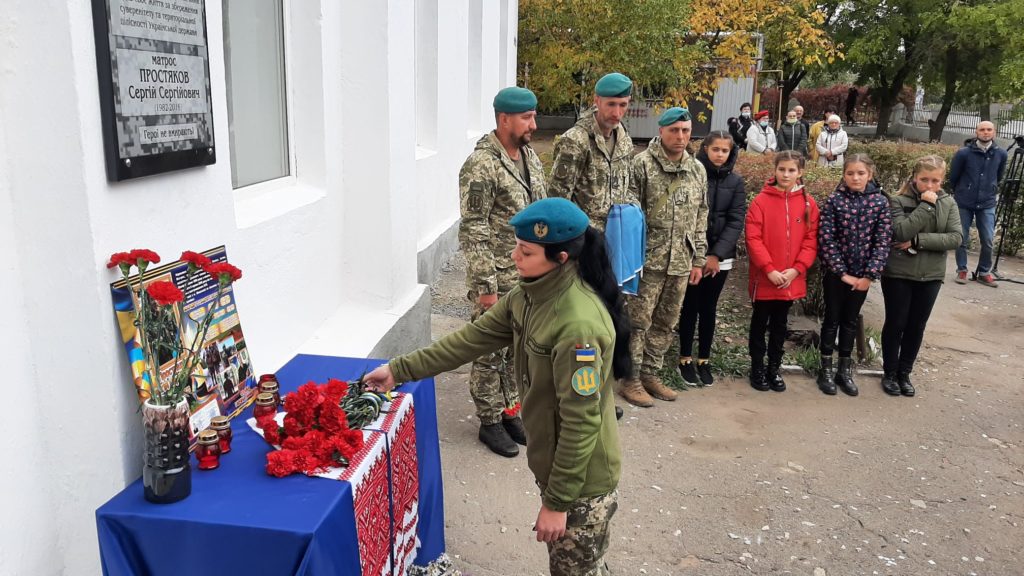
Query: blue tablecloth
(239,520)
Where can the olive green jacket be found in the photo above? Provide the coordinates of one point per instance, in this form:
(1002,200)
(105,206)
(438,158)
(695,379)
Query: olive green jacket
(552,324)
(674,198)
(933,229)
(491,191)
(588,171)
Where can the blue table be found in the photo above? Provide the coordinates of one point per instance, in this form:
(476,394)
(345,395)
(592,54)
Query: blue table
(239,520)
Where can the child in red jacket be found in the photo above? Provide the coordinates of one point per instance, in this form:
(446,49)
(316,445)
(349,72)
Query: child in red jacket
(782,241)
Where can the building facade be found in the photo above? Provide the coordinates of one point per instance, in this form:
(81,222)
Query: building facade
(340,129)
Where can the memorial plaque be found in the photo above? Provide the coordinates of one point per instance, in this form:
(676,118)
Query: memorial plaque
(154,78)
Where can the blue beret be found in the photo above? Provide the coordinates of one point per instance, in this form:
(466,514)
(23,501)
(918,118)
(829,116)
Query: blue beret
(550,221)
(673,115)
(614,85)
(514,100)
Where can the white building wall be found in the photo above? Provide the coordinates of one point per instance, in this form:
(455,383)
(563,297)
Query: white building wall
(329,254)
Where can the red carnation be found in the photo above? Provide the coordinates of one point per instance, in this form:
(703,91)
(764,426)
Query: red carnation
(224,273)
(122,259)
(164,293)
(281,463)
(195,260)
(143,257)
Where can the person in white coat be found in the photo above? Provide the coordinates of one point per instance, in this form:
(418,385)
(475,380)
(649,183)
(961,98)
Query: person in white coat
(832,143)
(761,136)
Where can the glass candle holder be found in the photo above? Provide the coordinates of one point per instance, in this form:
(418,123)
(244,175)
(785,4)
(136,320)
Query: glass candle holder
(222,426)
(265,405)
(274,388)
(267,378)
(208,450)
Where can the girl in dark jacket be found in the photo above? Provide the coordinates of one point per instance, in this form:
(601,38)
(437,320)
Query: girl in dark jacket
(853,244)
(727,206)
(925,225)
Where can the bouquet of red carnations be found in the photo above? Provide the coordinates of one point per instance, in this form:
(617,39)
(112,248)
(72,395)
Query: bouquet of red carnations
(321,427)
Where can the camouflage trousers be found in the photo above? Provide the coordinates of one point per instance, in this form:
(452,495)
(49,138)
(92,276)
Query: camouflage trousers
(654,314)
(490,377)
(581,551)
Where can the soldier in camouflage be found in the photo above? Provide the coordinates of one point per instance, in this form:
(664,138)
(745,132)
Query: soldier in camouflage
(586,538)
(498,180)
(671,186)
(592,159)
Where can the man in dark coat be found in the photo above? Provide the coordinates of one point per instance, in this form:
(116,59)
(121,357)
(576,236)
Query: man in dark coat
(974,176)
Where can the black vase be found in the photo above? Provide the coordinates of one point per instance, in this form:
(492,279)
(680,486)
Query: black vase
(166,473)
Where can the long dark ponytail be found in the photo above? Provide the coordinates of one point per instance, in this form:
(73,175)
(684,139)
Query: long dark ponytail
(595,268)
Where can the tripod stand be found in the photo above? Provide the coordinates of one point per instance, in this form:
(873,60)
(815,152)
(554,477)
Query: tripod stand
(1006,209)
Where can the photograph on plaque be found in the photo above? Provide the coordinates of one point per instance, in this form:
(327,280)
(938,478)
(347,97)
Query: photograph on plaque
(154,77)
(223,382)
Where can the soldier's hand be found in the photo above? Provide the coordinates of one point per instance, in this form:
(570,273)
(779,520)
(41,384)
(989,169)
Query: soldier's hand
(487,300)
(380,379)
(695,275)
(550,525)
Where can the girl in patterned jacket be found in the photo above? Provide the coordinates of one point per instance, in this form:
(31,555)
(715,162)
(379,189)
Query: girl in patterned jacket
(853,244)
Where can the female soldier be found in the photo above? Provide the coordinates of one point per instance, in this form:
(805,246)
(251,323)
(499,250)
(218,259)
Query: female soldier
(570,336)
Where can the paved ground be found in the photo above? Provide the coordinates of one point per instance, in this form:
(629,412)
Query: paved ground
(728,480)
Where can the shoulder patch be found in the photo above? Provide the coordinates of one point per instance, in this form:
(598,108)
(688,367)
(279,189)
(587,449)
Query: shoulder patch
(586,381)
(475,198)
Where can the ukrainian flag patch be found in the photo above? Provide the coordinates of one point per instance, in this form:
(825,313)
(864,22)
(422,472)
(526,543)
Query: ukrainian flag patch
(586,381)
(584,353)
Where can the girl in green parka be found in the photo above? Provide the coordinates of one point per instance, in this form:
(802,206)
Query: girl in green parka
(569,334)
(925,226)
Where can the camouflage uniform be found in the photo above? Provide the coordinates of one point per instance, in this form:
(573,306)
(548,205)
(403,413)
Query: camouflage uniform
(673,196)
(589,174)
(581,551)
(492,190)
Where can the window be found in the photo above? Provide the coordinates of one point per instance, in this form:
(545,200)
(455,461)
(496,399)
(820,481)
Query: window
(257,104)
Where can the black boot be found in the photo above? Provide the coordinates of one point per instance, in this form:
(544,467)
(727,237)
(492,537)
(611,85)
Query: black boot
(906,388)
(498,440)
(774,377)
(890,385)
(757,381)
(825,375)
(844,377)
(514,427)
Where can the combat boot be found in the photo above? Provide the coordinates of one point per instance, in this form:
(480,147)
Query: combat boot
(498,440)
(825,375)
(633,392)
(655,387)
(773,378)
(844,377)
(757,381)
(515,429)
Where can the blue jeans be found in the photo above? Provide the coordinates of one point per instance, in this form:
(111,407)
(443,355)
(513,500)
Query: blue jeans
(986,219)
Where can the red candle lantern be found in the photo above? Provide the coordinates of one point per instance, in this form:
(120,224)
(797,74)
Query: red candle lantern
(222,426)
(265,404)
(272,387)
(208,450)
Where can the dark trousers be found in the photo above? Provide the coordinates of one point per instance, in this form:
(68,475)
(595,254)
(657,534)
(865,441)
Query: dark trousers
(770,316)
(908,304)
(700,308)
(842,308)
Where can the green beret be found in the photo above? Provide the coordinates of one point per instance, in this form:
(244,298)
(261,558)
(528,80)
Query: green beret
(514,100)
(550,221)
(614,85)
(673,115)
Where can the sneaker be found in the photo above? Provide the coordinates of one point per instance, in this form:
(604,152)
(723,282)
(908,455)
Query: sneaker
(961,277)
(987,280)
(688,371)
(704,372)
